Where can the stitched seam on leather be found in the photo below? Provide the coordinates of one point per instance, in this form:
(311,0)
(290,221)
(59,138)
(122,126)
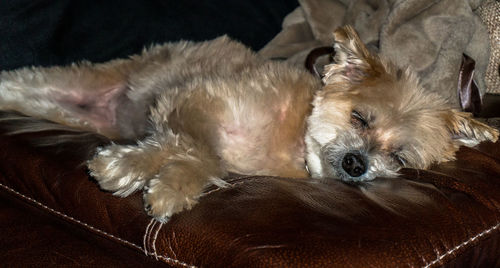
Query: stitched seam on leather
(463,244)
(164,258)
(154,239)
(146,237)
(147,244)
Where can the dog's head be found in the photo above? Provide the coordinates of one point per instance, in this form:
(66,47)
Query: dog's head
(371,119)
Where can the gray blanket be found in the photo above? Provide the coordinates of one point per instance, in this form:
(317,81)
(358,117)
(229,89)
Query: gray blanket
(429,36)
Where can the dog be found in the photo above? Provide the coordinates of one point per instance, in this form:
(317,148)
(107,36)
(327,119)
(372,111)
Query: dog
(197,111)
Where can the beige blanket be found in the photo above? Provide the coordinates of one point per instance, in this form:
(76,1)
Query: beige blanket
(429,36)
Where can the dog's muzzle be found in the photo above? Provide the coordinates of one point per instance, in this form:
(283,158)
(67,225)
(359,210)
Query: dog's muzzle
(354,164)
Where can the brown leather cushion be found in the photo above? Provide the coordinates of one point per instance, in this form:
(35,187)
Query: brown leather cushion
(31,238)
(448,215)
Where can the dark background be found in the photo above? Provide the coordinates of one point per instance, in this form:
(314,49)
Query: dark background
(45,32)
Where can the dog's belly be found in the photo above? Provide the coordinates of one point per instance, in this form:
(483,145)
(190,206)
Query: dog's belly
(239,148)
(251,148)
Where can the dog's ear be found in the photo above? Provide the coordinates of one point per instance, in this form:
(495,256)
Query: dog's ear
(352,62)
(467,131)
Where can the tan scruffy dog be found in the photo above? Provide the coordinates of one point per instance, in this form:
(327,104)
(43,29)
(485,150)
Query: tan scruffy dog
(200,110)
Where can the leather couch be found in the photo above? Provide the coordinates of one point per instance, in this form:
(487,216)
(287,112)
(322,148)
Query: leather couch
(54,214)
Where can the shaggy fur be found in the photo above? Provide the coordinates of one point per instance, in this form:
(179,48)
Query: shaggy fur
(200,110)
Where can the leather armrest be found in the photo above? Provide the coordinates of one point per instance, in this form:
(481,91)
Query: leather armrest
(447,215)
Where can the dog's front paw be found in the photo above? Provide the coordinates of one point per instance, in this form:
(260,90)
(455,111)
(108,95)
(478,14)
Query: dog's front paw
(176,187)
(162,200)
(119,169)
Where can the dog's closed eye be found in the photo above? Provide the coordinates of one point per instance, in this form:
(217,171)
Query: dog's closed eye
(358,120)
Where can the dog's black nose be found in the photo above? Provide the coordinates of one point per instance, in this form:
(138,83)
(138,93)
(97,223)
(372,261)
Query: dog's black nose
(354,164)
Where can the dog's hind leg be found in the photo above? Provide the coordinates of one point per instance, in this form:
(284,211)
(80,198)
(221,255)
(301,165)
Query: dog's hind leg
(83,96)
(172,168)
